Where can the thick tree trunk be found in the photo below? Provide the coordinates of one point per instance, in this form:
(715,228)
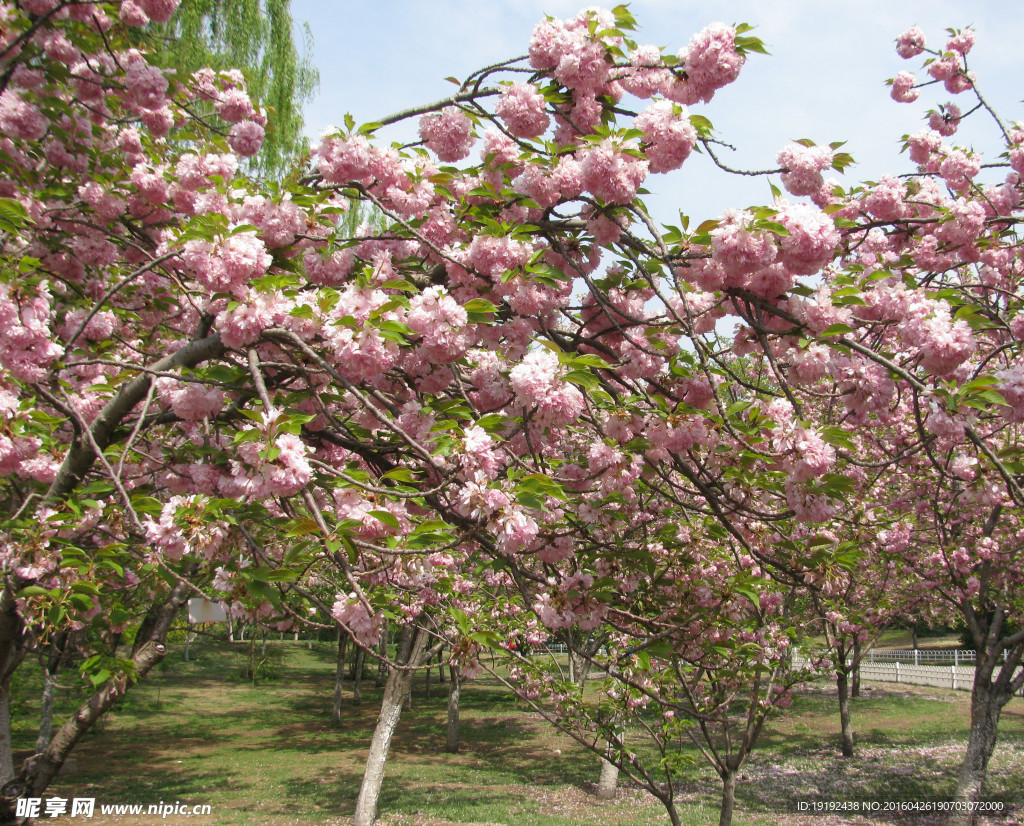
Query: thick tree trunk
(410,652)
(339,678)
(452,743)
(608,782)
(845,720)
(986,705)
(728,797)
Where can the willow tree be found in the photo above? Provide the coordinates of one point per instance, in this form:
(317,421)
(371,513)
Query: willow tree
(258,38)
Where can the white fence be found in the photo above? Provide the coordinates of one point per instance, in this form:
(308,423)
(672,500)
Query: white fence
(923,656)
(942,676)
(956,677)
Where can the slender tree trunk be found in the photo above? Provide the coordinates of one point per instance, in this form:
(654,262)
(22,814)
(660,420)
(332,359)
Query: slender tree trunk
(339,678)
(382,665)
(728,797)
(426,681)
(855,682)
(46,710)
(845,720)
(410,652)
(452,743)
(357,685)
(39,770)
(609,779)
(665,798)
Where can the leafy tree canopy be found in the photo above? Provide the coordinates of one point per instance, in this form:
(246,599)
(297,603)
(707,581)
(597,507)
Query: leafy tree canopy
(257,37)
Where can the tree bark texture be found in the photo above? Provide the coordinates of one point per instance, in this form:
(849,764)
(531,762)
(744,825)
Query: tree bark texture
(855,681)
(845,719)
(46,710)
(382,665)
(357,685)
(986,705)
(728,798)
(608,782)
(411,646)
(452,742)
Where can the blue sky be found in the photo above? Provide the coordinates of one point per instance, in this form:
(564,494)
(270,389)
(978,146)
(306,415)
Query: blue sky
(824,79)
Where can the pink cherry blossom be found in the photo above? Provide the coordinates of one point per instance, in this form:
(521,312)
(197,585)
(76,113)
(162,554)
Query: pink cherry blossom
(911,43)
(611,172)
(448,134)
(739,249)
(521,107)
(903,88)
(812,238)
(670,135)
(246,138)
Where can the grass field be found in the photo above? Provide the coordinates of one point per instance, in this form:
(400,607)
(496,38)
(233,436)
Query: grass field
(199,733)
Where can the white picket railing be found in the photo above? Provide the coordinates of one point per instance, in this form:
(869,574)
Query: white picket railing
(919,656)
(956,677)
(942,676)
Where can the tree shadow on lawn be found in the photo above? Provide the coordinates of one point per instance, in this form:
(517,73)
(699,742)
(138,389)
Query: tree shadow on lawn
(157,748)
(335,792)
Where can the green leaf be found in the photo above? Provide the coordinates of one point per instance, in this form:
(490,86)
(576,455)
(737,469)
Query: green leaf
(480,305)
(836,330)
(979,397)
(13,216)
(492,422)
(387,518)
(81,602)
(301,526)
(837,486)
(837,437)
(399,284)
(587,360)
(583,378)
(400,474)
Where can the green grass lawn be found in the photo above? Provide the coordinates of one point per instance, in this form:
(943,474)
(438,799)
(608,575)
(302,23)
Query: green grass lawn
(198,732)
